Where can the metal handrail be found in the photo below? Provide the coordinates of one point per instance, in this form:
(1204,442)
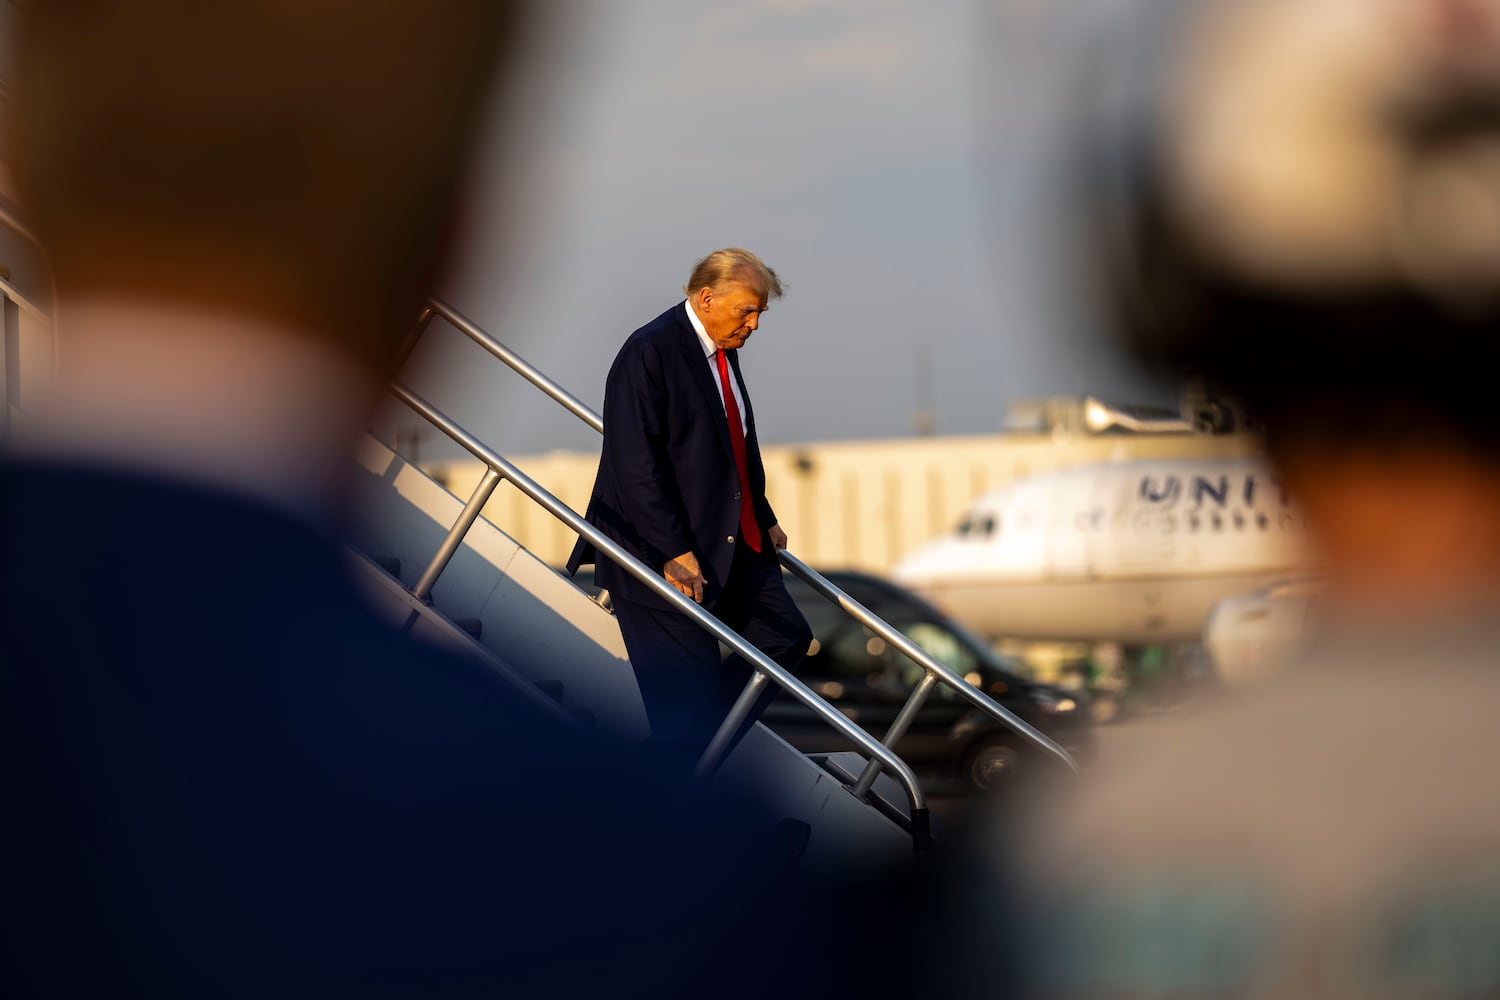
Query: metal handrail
(933,667)
(15,225)
(765,667)
(9,220)
(9,408)
(525,369)
(9,291)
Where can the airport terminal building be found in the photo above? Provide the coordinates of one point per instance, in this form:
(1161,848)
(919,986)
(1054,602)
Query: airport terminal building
(865,504)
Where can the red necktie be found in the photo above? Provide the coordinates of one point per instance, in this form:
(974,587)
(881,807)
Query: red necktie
(749,530)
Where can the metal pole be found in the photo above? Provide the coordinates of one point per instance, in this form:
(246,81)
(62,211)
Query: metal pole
(898,729)
(455,537)
(719,745)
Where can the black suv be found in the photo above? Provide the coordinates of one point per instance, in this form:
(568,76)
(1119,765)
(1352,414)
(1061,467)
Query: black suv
(868,681)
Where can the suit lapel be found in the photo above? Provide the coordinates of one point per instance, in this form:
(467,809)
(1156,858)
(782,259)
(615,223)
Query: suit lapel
(692,347)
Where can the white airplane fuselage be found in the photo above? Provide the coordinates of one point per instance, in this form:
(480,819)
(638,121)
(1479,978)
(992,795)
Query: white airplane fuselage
(1134,552)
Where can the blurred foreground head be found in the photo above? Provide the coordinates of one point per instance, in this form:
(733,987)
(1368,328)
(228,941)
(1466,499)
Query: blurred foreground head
(1301,200)
(297,161)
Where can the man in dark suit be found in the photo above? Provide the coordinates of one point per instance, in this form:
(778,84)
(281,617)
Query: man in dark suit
(681,485)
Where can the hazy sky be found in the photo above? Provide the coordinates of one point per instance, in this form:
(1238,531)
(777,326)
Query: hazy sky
(890,158)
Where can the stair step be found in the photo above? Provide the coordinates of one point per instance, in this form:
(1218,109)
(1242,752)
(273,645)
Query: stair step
(390,564)
(473,626)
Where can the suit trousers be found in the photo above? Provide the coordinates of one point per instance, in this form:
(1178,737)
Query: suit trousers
(686,689)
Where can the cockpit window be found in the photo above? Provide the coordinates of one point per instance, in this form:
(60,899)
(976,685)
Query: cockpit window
(978,527)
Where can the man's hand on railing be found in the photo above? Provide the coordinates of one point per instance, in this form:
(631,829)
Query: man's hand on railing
(778,537)
(684,574)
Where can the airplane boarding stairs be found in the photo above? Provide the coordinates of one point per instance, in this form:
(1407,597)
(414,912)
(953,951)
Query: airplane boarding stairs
(433,562)
(532,625)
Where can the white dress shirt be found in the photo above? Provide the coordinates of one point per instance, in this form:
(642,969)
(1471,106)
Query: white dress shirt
(710,349)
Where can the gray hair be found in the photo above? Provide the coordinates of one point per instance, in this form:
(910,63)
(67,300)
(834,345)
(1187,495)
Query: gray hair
(731,264)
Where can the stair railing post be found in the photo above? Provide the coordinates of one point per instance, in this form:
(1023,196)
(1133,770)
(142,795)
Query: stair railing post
(898,729)
(455,538)
(719,745)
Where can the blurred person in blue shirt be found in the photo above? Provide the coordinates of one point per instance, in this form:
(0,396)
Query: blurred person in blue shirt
(225,774)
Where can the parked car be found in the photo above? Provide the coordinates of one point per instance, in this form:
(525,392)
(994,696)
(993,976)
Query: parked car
(867,680)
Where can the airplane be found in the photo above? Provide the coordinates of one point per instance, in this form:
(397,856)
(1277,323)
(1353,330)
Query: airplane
(1134,552)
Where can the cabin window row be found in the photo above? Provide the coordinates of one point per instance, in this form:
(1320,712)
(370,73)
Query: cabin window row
(987,526)
(1169,523)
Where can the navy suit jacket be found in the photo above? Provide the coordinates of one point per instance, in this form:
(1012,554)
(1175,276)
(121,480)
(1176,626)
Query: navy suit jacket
(667,482)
